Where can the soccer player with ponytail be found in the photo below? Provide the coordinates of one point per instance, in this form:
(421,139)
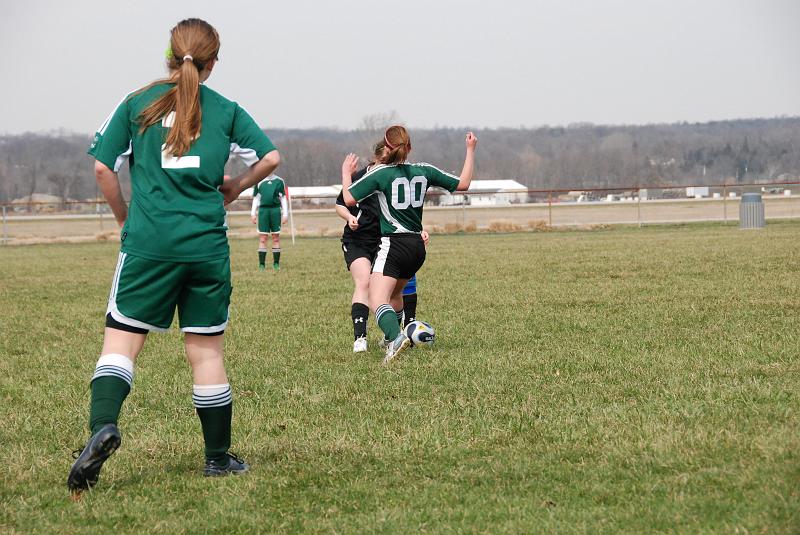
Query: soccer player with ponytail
(177,135)
(400,188)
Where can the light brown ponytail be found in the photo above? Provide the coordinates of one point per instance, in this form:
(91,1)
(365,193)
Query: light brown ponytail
(193,44)
(399,144)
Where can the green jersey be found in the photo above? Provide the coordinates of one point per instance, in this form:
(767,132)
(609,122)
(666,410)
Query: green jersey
(269,192)
(401,192)
(176,210)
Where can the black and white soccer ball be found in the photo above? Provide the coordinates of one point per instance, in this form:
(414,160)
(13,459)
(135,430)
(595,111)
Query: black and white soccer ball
(420,333)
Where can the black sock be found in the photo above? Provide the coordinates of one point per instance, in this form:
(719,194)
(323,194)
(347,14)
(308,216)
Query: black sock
(262,257)
(214,406)
(276,255)
(410,308)
(360,313)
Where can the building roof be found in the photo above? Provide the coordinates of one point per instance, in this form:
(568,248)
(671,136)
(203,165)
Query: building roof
(303,191)
(497,186)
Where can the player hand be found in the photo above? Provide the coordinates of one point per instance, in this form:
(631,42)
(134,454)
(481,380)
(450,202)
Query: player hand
(284,220)
(426,238)
(471,140)
(230,190)
(350,164)
(253,219)
(352,222)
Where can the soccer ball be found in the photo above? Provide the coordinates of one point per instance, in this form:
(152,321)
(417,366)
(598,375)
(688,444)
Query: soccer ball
(420,333)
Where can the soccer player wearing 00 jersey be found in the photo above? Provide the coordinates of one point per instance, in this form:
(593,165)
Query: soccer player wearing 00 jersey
(400,188)
(177,135)
(360,242)
(268,212)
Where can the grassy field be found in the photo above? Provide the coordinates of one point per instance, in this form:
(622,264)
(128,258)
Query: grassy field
(619,380)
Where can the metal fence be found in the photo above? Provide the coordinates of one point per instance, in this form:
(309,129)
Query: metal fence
(479,211)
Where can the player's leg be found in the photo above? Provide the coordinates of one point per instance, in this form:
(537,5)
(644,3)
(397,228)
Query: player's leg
(398,259)
(360,271)
(410,301)
(141,300)
(262,251)
(397,301)
(276,251)
(203,309)
(275,230)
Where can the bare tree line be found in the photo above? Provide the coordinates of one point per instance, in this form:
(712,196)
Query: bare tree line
(581,156)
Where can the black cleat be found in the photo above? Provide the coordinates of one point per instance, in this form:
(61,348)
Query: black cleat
(87,467)
(234,465)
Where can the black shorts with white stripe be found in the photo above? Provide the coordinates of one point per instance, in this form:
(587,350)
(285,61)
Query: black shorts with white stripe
(354,250)
(400,255)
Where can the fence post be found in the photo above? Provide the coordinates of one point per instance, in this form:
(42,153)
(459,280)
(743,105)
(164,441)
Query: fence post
(724,204)
(549,209)
(5,236)
(463,211)
(639,207)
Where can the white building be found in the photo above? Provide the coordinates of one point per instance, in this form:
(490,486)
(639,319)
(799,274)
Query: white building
(306,194)
(697,192)
(489,193)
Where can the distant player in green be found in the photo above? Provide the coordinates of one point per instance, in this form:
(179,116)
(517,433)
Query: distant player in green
(268,212)
(176,135)
(400,188)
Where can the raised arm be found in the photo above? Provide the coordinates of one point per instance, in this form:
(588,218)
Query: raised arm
(252,176)
(469,163)
(348,168)
(108,181)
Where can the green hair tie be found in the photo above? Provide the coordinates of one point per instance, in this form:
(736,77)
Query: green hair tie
(168,52)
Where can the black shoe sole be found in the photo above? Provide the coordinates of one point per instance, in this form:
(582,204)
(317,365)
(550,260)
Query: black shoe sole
(85,471)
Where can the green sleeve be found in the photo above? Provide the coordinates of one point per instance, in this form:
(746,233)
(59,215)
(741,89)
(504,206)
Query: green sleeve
(112,142)
(366,186)
(282,188)
(248,141)
(437,177)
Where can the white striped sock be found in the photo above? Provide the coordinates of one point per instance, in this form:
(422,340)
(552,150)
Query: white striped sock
(207,396)
(114,365)
(383,309)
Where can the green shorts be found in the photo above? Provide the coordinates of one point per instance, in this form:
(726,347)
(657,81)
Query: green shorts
(145,292)
(269,220)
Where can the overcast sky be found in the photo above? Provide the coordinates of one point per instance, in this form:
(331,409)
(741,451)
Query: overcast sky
(466,63)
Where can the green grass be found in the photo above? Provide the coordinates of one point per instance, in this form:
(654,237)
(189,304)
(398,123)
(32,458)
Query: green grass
(622,380)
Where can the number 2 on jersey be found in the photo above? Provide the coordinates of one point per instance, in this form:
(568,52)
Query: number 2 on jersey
(168,161)
(413,192)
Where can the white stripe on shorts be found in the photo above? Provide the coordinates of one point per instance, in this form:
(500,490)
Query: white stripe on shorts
(383,253)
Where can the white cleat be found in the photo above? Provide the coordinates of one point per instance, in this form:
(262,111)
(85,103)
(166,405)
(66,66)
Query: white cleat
(396,346)
(360,345)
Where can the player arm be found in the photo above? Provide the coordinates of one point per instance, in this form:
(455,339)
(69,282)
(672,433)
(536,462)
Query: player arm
(344,213)
(469,163)
(284,208)
(348,168)
(254,208)
(232,188)
(108,182)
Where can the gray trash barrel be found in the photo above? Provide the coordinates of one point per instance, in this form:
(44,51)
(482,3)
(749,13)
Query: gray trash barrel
(751,211)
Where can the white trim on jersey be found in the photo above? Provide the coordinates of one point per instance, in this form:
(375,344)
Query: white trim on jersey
(122,158)
(102,129)
(247,155)
(423,164)
(112,302)
(383,253)
(388,215)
